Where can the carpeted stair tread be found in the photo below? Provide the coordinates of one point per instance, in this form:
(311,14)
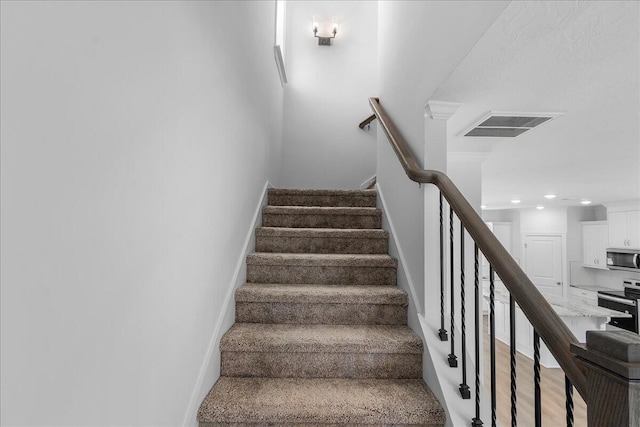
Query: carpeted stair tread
(321,217)
(294,197)
(328,269)
(322,294)
(305,401)
(262,337)
(322,240)
(356,233)
(321,304)
(321,210)
(321,335)
(324,260)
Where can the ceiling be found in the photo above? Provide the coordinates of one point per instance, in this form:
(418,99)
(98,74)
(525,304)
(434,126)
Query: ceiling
(581,59)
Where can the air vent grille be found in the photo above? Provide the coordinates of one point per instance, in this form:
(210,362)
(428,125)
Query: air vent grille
(507,125)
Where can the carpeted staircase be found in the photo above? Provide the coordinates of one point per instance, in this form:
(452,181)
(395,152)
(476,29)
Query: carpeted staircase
(320,335)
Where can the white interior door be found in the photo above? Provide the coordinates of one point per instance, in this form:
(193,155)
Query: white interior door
(543,263)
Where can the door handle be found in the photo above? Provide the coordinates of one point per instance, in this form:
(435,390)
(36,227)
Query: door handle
(559,283)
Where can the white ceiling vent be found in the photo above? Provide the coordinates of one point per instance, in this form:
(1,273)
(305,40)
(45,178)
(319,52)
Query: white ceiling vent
(497,124)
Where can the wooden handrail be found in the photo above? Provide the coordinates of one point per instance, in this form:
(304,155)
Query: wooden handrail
(544,319)
(367,121)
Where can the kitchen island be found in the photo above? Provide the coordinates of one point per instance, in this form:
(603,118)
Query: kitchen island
(579,316)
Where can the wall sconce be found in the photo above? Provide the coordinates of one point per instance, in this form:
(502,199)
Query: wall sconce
(325,41)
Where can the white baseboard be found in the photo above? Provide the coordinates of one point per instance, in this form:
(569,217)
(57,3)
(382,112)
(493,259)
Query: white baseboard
(198,394)
(369,183)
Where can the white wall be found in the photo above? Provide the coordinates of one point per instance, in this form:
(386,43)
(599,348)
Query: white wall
(543,221)
(420,44)
(326,96)
(136,140)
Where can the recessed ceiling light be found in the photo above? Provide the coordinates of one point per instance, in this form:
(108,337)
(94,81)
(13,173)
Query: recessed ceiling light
(586,202)
(550,196)
(483,207)
(516,201)
(539,207)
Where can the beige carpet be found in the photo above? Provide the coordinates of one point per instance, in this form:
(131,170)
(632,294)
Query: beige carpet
(321,336)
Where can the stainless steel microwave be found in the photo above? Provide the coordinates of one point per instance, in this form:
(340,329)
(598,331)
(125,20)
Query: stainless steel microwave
(623,259)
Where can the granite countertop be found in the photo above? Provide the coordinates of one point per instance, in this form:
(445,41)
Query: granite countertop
(594,288)
(563,306)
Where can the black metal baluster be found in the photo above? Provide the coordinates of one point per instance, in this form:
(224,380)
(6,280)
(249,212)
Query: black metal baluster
(453,360)
(476,421)
(492,331)
(464,388)
(536,378)
(442,333)
(568,390)
(512,351)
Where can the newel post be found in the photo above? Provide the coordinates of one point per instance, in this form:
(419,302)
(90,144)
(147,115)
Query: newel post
(612,362)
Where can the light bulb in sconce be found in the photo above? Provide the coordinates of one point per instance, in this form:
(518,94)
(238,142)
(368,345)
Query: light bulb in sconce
(324,40)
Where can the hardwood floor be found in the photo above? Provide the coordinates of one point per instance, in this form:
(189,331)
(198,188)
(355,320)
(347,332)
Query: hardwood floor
(552,390)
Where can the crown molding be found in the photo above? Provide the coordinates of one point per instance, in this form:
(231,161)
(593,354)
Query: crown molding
(440,110)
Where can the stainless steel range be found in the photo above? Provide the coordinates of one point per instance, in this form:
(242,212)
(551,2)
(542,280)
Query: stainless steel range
(626,301)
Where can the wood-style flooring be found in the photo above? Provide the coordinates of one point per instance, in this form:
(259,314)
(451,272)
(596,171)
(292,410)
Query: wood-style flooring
(552,390)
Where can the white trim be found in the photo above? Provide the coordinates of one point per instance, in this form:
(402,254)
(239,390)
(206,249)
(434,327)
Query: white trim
(277,53)
(195,395)
(631,205)
(369,183)
(441,110)
(402,259)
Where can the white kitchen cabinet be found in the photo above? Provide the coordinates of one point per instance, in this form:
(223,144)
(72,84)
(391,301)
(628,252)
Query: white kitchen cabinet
(624,229)
(595,237)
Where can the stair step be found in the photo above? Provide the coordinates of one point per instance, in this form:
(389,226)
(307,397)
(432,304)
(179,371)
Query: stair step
(321,217)
(289,197)
(317,401)
(321,351)
(322,240)
(321,304)
(334,269)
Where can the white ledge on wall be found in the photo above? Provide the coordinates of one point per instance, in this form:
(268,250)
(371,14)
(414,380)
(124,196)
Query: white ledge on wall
(277,53)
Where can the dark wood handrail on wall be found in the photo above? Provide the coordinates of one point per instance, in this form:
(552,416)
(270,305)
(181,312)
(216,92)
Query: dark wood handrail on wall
(367,121)
(544,319)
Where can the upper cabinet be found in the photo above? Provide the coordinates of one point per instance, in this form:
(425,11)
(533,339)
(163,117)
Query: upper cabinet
(595,236)
(624,229)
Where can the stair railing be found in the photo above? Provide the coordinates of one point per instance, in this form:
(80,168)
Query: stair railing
(547,325)
(367,121)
